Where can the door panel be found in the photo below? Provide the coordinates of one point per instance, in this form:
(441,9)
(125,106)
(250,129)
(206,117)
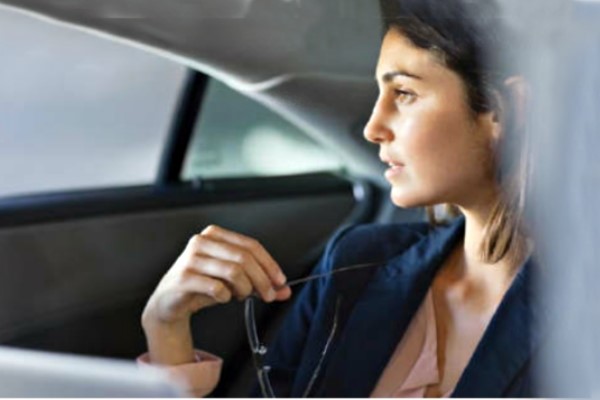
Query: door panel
(59,271)
(78,284)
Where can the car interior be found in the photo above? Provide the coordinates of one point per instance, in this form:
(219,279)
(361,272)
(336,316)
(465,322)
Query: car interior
(255,111)
(84,262)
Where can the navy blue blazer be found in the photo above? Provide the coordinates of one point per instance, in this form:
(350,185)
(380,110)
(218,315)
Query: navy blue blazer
(342,330)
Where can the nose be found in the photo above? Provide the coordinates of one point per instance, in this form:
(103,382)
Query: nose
(377,129)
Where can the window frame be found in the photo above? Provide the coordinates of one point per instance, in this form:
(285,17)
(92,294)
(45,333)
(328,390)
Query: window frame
(186,116)
(169,191)
(184,130)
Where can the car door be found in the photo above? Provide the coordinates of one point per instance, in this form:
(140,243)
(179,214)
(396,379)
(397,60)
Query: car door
(79,258)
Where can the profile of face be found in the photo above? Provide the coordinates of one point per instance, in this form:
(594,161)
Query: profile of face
(438,150)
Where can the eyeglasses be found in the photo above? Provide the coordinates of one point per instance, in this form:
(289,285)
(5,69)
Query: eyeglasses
(259,350)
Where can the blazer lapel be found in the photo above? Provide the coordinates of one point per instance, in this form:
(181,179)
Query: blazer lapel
(508,342)
(382,314)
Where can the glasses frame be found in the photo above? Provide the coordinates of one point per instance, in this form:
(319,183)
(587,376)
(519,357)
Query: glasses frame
(259,349)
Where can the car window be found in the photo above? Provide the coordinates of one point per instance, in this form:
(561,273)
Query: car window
(79,111)
(238,137)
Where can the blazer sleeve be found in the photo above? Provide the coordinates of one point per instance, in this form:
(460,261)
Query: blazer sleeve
(287,349)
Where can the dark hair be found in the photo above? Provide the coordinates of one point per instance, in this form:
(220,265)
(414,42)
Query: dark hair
(466,35)
(470,38)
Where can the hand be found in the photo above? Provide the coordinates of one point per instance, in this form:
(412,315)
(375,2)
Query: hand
(216,266)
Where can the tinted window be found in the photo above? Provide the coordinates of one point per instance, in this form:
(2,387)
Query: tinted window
(238,137)
(79,111)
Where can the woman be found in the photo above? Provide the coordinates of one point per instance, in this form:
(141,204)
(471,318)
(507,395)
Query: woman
(448,310)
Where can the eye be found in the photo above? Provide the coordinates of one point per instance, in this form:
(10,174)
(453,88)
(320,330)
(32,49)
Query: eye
(404,96)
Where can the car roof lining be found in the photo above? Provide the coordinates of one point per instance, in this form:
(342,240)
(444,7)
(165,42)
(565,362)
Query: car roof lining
(288,55)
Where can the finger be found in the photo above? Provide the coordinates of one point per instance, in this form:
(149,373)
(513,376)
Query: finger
(215,289)
(237,261)
(271,267)
(260,280)
(234,274)
(194,292)
(216,248)
(283,294)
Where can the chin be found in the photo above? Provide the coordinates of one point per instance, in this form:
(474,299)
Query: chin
(410,199)
(405,200)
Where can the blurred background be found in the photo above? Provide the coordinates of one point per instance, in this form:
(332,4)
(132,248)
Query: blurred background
(112,105)
(78,112)
(564,67)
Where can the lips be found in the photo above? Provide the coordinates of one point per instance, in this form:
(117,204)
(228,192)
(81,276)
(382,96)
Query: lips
(395,170)
(395,164)
(392,162)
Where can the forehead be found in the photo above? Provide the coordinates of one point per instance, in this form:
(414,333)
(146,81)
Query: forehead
(398,53)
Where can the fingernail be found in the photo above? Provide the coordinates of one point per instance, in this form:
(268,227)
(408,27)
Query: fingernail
(271,294)
(281,279)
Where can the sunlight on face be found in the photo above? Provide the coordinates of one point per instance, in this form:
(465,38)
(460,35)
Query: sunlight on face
(437,150)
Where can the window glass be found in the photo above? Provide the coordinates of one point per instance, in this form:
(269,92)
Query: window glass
(79,111)
(238,137)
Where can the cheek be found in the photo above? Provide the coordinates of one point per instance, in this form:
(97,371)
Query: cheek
(440,154)
(432,141)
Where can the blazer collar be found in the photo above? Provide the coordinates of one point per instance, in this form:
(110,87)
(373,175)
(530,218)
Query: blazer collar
(370,336)
(512,336)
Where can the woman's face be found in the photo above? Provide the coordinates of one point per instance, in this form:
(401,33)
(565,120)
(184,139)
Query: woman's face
(438,151)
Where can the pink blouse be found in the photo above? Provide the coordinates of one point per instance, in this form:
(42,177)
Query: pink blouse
(414,365)
(411,369)
(196,379)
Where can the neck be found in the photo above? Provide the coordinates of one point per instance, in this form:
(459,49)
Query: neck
(469,265)
(474,231)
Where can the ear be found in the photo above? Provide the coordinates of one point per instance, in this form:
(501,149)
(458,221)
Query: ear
(492,121)
(517,92)
(509,110)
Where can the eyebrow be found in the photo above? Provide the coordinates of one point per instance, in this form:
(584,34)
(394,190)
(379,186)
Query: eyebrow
(389,76)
